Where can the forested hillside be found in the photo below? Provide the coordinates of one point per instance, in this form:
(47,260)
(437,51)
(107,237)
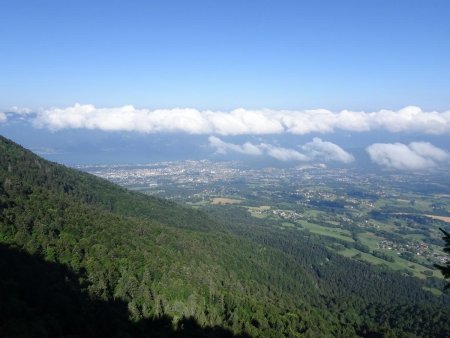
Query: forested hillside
(80,256)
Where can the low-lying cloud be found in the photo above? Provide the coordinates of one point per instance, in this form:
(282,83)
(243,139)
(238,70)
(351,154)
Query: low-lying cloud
(315,150)
(322,150)
(414,156)
(20,110)
(284,154)
(222,147)
(241,121)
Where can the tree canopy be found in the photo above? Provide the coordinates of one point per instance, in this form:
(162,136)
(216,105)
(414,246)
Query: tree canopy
(80,256)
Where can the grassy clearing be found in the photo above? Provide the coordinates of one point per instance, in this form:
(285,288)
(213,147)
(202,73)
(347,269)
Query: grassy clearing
(399,264)
(434,291)
(314,213)
(387,226)
(325,231)
(415,202)
(440,218)
(258,212)
(287,225)
(224,201)
(370,239)
(415,237)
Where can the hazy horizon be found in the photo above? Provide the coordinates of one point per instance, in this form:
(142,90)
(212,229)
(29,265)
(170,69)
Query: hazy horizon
(292,82)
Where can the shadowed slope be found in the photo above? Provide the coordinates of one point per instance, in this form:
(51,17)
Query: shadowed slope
(44,299)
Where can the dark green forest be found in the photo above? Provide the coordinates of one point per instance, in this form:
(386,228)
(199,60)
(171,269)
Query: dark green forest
(82,257)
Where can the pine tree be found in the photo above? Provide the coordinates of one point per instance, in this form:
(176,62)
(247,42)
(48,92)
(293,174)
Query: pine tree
(445,269)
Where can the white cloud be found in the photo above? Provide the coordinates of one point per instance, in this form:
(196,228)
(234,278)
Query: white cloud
(315,150)
(22,113)
(126,118)
(411,119)
(283,154)
(327,151)
(20,110)
(241,121)
(224,147)
(415,156)
(426,149)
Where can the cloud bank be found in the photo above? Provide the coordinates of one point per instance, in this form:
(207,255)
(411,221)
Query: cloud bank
(242,121)
(315,150)
(2,117)
(414,156)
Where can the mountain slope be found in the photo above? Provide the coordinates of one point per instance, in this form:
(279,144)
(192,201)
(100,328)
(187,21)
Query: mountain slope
(20,164)
(166,261)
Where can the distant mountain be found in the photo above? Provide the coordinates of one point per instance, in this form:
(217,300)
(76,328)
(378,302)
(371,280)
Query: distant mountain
(80,256)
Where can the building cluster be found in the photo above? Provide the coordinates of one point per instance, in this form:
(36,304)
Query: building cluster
(417,248)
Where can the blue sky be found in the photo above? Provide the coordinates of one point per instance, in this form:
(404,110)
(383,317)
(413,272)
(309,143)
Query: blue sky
(290,81)
(226,54)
